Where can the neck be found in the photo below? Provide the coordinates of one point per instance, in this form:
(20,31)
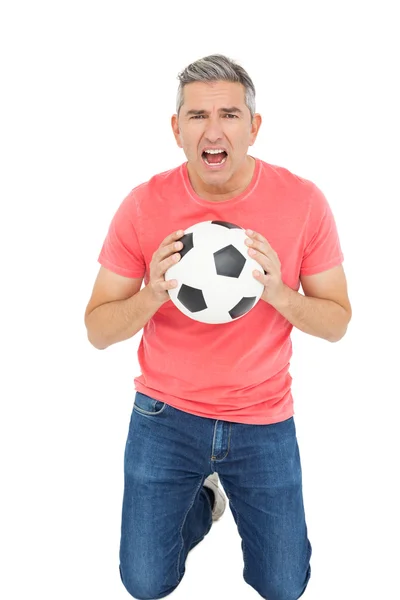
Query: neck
(235,186)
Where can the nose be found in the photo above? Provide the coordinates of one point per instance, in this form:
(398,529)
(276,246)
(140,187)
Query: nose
(213,128)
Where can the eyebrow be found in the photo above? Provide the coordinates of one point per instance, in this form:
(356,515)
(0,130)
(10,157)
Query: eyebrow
(233,109)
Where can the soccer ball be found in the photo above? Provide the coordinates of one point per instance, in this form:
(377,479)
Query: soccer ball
(215,274)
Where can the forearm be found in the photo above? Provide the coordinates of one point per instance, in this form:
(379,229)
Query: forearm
(120,320)
(322,318)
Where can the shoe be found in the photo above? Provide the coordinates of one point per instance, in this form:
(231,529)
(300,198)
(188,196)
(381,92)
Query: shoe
(219,497)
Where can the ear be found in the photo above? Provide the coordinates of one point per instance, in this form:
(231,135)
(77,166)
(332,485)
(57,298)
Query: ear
(255,126)
(176,130)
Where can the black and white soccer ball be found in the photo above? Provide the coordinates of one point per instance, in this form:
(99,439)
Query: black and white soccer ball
(215,274)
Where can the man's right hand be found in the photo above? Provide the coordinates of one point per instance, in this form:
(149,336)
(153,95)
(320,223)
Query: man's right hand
(163,258)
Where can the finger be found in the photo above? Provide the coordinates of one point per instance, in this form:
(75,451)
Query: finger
(165,251)
(264,249)
(261,275)
(172,238)
(257,237)
(258,245)
(258,255)
(264,261)
(260,259)
(168,262)
(169,285)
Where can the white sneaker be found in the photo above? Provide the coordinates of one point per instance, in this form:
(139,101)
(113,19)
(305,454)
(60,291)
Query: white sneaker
(212,482)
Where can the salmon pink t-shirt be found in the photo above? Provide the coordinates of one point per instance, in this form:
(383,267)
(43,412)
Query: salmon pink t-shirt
(237,371)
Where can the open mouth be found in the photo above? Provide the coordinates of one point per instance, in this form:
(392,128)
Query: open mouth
(214,159)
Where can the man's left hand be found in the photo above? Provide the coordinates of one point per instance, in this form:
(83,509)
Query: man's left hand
(267,258)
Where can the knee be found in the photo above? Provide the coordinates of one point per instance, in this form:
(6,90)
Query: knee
(282,592)
(142,586)
(281,589)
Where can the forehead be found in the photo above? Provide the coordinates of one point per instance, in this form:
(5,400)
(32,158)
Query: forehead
(219,93)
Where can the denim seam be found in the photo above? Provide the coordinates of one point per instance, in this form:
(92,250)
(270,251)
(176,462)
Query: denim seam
(149,412)
(181,528)
(215,458)
(238,527)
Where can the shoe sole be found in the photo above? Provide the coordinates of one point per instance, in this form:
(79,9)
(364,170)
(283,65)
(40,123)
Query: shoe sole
(220,500)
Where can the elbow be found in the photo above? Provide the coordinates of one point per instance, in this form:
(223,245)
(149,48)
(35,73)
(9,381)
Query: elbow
(336,338)
(92,335)
(96,343)
(98,346)
(340,333)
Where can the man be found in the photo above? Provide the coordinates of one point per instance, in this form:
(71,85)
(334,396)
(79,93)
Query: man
(217,398)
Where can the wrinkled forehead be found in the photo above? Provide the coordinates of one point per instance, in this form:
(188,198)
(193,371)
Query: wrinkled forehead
(213,96)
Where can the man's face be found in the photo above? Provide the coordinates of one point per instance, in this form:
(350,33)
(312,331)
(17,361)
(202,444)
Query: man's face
(214,115)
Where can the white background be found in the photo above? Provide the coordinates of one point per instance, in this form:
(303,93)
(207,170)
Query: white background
(88,89)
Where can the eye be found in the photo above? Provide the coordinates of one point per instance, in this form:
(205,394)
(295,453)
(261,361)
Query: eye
(202,116)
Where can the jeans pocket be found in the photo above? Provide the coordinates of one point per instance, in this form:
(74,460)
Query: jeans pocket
(147,405)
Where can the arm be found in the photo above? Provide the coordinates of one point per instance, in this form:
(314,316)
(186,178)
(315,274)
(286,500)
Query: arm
(324,311)
(117,310)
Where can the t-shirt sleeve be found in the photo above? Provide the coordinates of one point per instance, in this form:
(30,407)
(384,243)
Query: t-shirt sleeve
(121,252)
(322,250)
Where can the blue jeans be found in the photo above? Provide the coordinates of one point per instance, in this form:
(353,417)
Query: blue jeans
(166,511)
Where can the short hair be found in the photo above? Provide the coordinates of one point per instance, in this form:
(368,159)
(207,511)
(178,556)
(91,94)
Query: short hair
(217,67)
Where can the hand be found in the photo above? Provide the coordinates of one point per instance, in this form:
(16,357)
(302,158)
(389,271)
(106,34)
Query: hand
(268,259)
(163,258)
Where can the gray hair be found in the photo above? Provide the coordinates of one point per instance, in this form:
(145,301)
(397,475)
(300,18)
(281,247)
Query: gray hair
(217,67)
